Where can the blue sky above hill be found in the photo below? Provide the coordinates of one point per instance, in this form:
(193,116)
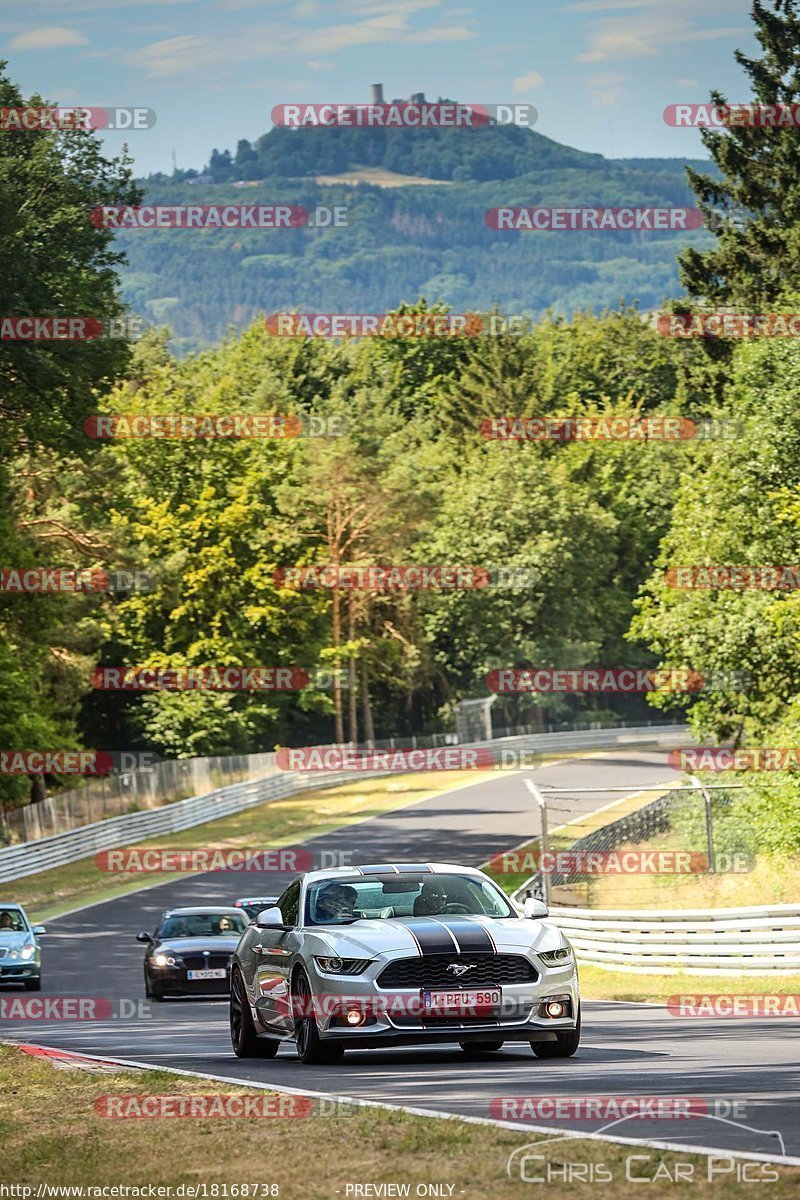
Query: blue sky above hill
(600,72)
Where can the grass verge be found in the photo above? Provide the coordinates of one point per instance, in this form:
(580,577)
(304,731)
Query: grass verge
(51,1134)
(600,984)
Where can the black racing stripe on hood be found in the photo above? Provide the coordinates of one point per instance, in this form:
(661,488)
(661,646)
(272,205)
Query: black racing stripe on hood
(431,936)
(472,937)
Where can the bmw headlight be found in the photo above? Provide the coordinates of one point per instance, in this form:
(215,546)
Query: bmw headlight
(342,966)
(557,958)
(165,960)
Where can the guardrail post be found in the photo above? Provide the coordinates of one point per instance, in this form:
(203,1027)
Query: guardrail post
(709,822)
(544,842)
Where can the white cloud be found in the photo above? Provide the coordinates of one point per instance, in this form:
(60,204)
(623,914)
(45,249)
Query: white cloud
(57,7)
(620,38)
(525,83)
(606,90)
(180,55)
(440,33)
(48,38)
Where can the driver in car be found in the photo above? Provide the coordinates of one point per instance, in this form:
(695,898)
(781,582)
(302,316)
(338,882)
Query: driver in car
(431,900)
(336,902)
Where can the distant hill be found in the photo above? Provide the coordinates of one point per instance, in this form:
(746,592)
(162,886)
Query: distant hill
(402,241)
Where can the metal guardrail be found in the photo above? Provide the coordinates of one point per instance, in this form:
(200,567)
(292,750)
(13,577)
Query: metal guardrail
(761,939)
(29,858)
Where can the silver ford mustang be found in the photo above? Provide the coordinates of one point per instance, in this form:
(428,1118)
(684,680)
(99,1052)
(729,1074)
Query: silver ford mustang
(398,954)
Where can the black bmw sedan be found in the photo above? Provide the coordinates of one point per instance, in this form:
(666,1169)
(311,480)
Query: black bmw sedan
(190,952)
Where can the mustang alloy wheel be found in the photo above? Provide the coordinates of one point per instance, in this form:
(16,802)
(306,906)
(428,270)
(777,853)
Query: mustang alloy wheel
(310,1046)
(245,1041)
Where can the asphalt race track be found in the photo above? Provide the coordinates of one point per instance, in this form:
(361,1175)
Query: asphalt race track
(627,1049)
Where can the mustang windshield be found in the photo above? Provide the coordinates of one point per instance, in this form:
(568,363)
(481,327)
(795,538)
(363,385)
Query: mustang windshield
(380,897)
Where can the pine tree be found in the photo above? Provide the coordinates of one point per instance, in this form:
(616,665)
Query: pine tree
(755,205)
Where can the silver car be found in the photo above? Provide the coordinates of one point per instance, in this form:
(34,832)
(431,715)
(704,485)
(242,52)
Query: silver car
(20,952)
(399,954)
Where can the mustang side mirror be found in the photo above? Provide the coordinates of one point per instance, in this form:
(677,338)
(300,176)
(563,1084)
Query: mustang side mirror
(38,930)
(534,909)
(270,918)
(144,937)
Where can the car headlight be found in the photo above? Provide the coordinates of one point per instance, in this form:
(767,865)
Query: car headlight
(557,958)
(165,960)
(342,966)
(24,952)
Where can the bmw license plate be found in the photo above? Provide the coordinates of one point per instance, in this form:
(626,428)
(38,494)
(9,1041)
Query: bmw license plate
(211,973)
(473,1003)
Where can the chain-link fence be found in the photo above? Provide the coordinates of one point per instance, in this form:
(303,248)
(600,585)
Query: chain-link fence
(114,795)
(176,779)
(589,857)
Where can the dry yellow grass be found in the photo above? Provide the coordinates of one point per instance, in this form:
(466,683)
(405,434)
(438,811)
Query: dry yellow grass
(51,1134)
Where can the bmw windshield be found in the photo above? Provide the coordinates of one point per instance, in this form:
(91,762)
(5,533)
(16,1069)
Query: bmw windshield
(342,901)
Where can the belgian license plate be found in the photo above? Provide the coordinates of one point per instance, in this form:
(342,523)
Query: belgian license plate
(211,973)
(467,1003)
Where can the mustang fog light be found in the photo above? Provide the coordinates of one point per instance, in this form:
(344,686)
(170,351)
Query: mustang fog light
(354,1016)
(555,1007)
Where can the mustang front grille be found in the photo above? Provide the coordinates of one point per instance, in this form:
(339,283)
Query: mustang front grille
(483,970)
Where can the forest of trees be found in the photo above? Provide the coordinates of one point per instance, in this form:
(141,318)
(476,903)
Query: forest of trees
(410,480)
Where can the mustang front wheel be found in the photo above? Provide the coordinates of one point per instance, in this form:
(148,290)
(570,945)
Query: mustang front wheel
(564,1046)
(310,1046)
(245,1041)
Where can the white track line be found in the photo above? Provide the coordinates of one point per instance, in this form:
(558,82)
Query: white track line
(709,1151)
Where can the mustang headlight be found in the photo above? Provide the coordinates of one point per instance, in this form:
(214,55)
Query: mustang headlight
(342,966)
(165,960)
(557,958)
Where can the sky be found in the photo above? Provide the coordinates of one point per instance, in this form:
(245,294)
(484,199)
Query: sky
(600,72)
